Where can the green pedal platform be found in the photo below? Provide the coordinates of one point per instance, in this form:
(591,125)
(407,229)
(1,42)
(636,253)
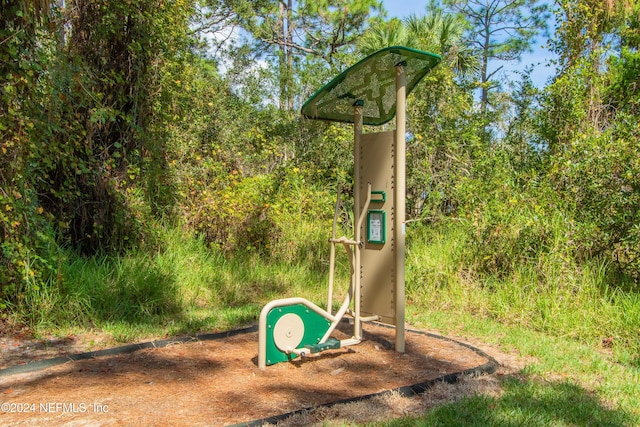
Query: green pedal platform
(329,344)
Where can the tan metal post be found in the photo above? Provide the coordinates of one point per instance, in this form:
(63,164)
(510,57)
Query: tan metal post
(357,132)
(400,197)
(332,251)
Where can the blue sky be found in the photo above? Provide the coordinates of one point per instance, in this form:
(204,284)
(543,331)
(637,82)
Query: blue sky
(401,8)
(543,71)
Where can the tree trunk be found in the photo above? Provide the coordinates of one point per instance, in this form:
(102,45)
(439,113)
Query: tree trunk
(282,56)
(289,75)
(484,97)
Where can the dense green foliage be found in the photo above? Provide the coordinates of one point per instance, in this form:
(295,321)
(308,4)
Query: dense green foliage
(85,132)
(119,127)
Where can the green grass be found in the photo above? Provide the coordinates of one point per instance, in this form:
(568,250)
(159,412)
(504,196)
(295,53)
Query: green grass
(525,403)
(587,302)
(567,383)
(185,287)
(552,311)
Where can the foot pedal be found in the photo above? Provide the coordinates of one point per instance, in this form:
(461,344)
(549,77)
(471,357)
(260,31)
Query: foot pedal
(329,344)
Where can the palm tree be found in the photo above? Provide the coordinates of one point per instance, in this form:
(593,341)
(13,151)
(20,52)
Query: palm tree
(444,35)
(385,34)
(436,32)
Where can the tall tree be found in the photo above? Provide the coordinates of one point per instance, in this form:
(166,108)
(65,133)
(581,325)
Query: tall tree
(500,30)
(24,42)
(287,29)
(588,31)
(105,97)
(584,24)
(624,92)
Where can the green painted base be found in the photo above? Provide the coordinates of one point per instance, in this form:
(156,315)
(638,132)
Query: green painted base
(315,326)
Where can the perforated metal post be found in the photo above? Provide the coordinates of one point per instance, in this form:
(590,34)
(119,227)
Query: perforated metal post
(357,132)
(400,194)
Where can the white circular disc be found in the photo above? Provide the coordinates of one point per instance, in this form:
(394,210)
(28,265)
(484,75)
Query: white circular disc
(288,332)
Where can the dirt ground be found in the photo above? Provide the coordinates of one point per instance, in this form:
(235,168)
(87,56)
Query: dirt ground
(217,382)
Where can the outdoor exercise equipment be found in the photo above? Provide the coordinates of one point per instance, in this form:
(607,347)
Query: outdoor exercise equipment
(370,92)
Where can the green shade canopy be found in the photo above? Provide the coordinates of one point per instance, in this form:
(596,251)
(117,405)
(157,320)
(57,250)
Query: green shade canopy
(372,83)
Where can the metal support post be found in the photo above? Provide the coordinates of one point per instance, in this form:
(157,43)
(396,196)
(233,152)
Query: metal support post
(400,197)
(357,132)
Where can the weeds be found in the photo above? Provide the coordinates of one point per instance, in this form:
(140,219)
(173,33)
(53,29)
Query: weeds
(185,286)
(589,302)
